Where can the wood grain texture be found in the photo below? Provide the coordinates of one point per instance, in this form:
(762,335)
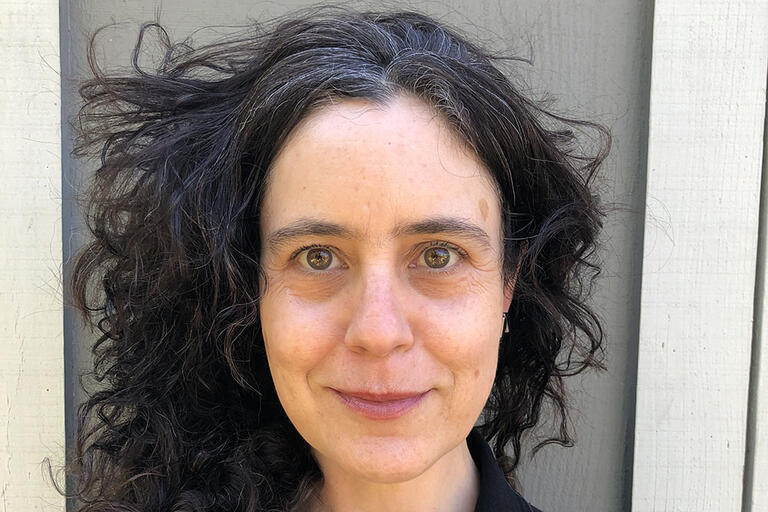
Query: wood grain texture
(756,494)
(31,358)
(704,164)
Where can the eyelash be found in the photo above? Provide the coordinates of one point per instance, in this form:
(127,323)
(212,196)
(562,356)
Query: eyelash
(436,243)
(300,250)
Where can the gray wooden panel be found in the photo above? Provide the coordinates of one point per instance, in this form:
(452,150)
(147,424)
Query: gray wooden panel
(593,58)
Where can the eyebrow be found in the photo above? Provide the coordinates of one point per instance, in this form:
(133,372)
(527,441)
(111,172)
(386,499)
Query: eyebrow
(307,227)
(430,226)
(449,225)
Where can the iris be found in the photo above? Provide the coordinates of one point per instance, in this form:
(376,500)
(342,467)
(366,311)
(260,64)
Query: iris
(437,257)
(319,258)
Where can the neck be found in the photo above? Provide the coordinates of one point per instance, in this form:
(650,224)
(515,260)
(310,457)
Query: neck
(449,485)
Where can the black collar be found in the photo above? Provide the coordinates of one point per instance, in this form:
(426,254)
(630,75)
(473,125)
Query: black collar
(496,495)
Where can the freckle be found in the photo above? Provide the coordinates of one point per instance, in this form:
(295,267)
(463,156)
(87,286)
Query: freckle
(484,208)
(477,373)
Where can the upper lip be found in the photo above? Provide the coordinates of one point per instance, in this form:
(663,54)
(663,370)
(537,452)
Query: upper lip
(381,397)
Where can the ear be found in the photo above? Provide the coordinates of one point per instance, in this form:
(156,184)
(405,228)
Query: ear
(509,291)
(509,288)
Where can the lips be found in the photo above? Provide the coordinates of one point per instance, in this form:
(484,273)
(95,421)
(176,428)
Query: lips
(380,406)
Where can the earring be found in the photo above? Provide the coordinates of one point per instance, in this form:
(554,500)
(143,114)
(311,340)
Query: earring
(506,323)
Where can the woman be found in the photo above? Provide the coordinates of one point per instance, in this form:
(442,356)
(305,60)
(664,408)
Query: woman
(323,252)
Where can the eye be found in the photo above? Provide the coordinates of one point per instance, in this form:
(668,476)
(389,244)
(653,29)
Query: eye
(437,257)
(317,258)
(440,256)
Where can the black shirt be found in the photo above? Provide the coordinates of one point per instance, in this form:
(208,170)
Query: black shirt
(496,495)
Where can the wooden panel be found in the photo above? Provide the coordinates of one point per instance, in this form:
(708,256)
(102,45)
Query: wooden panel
(704,163)
(756,493)
(31,358)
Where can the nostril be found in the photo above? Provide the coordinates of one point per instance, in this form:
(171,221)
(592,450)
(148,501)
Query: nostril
(379,324)
(379,308)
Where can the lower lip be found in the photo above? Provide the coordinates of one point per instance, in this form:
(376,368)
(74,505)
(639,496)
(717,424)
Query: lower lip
(387,410)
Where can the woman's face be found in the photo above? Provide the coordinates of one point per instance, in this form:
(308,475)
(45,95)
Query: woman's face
(381,244)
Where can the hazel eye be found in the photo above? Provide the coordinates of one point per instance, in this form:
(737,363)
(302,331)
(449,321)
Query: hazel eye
(317,258)
(439,257)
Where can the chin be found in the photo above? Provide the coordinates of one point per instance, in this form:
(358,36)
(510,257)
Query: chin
(387,460)
(390,471)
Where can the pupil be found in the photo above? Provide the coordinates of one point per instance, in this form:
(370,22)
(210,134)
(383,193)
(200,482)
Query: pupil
(319,259)
(437,257)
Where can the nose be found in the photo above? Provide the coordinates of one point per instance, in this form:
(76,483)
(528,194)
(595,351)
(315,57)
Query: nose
(379,321)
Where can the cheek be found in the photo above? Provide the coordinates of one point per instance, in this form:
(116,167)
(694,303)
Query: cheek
(465,334)
(471,354)
(470,350)
(298,335)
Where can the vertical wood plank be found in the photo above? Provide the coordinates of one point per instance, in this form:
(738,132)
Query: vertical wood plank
(756,493)
(31,363)
(704,161)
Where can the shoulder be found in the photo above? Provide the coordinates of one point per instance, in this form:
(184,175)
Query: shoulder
(496,495)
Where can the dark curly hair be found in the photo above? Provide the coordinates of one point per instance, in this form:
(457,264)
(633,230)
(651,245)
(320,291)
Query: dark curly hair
(184,415)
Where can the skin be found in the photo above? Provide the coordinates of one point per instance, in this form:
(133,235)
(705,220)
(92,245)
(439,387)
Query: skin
(374,188)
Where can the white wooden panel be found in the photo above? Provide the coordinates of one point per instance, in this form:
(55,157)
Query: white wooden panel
(704,161)
(758,497)
(31,359)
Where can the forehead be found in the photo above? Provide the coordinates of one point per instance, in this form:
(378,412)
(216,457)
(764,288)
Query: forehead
(354,161)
